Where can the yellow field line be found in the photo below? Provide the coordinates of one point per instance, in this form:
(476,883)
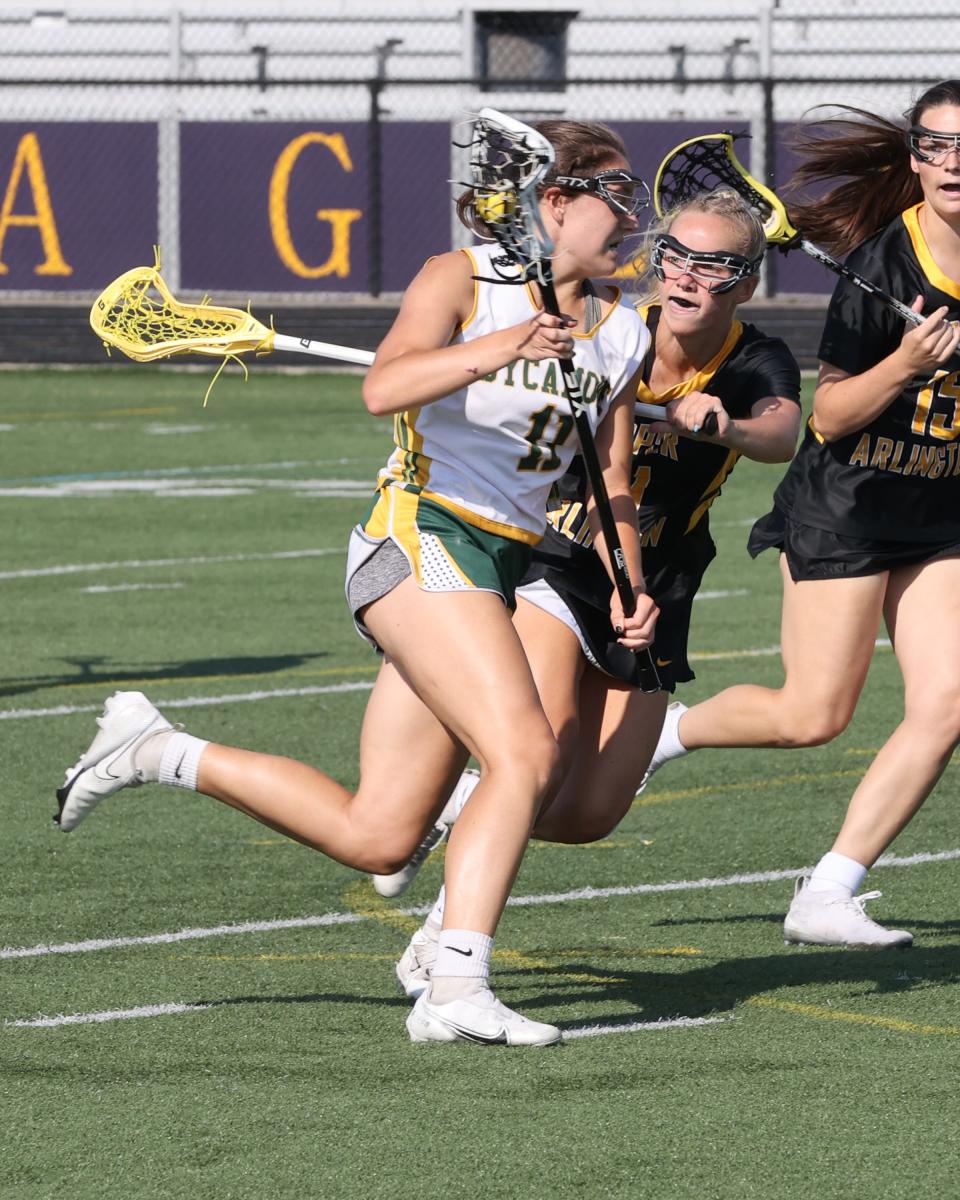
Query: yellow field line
(818,1012)
(360,898)
(644,801)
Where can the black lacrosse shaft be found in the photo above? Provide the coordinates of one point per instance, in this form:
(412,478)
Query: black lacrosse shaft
(649,678)
(838,268)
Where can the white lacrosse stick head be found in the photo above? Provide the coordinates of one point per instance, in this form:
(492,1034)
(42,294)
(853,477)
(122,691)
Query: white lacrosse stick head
(508,162)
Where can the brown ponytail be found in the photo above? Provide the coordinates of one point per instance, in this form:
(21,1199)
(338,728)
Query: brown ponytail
(871,158)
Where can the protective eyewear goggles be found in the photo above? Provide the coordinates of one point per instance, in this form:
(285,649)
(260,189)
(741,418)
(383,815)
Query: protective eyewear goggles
(931,147)
(718,271)
(622,191)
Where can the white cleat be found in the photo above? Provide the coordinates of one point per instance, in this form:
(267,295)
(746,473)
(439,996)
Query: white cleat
(397,883)
(415,964)
(108,764)
(836,919)
(480,1018)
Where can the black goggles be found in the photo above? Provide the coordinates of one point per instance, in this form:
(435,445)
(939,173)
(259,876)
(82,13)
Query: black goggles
(929,146)
(718,271)
(623,192)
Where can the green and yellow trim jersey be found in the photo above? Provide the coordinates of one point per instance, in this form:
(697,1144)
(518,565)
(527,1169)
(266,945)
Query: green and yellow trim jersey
(675,479)
(898,477)
(492,451)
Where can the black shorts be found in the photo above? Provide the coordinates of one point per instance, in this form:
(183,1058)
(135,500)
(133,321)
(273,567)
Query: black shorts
(673,576)
(822,554)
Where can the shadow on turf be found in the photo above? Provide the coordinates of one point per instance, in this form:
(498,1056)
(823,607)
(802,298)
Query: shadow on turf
(700,991)
(777,919)
(719,987)
(196,668)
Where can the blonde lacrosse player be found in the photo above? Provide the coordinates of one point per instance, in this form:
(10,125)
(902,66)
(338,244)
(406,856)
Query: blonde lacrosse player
(867,519)
(482,432)
(703,363)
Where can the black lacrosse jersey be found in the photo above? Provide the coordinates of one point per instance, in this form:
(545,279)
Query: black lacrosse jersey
(674,479)
(897,478)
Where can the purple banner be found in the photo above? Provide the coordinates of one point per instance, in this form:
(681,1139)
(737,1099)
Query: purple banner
(264,206)
(285,207)
(78,202)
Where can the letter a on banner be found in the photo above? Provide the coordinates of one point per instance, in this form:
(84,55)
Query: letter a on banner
(340,219)
(28,159)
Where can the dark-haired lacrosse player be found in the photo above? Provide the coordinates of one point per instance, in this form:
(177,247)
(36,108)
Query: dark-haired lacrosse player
(867,519)
(483,431)
(703,363)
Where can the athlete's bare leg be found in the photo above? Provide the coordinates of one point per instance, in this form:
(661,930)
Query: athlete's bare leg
(619,726)
(606,730)
(923,616)
(828,636)
(456,681)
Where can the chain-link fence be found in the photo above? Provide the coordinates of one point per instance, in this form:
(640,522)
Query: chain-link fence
(308,154)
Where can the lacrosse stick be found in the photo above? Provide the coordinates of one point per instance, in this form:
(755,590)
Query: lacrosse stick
(127,318)
(138,314)
(509,161)
(708,162)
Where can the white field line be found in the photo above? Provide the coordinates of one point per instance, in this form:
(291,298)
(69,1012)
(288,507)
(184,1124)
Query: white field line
(99,589)
(199,560)
(68,710)
(760,652)
(116,1014)
(163,1010)
(350,918)
(721,595)
(224,469)
(186,486)
(181,935)
(585,1031)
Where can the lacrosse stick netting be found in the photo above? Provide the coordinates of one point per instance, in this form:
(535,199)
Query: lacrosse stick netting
(138,314)
(508,162)
(708,163)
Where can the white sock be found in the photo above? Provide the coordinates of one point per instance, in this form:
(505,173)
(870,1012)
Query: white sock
(434,922)
(459,796)
(670,746)
(835,872)
(180,760)
(462,966)
(148,754)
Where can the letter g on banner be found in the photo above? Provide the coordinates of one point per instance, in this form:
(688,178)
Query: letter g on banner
(340,219)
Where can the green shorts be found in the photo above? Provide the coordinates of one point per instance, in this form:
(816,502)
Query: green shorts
(439,548)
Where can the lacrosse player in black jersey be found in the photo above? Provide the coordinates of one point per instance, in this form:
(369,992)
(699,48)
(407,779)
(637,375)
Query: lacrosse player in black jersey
(867,518)
(703,362)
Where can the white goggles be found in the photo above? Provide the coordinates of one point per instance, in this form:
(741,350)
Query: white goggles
(718,271)
(931,147)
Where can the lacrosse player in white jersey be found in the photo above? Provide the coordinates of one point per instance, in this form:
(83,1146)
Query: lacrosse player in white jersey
(482,431)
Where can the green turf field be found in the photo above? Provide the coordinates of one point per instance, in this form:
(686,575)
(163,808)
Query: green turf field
(236,1031)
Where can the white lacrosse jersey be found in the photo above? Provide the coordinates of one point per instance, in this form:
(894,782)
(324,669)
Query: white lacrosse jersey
(491,451)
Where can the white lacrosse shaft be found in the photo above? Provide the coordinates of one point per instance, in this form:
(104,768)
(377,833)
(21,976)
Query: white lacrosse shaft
(363,358)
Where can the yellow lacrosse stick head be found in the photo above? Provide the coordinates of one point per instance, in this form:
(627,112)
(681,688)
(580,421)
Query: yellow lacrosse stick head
(138,314)
(708,162)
